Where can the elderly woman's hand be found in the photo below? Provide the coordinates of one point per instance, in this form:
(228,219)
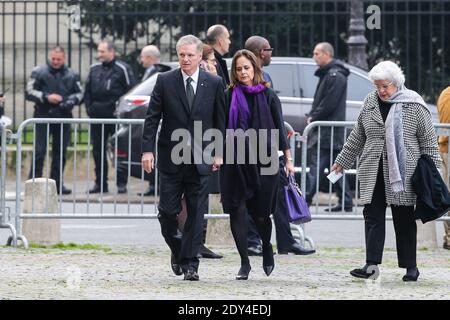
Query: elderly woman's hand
(336,167)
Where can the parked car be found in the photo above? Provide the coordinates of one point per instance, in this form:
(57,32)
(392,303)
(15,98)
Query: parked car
(295,83)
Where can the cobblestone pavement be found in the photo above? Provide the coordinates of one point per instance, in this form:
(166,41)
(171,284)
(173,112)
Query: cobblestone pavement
(129,272)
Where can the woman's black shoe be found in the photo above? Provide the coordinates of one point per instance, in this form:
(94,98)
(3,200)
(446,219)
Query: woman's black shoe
(268,261)
(243,272)
(360,273)
(411,276)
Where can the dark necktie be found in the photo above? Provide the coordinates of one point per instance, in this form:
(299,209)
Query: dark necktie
(189,92)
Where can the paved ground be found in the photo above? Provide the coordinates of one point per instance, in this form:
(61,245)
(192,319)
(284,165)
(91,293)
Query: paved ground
(143,272)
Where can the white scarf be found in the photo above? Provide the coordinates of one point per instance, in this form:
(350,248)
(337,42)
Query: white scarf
(395,143)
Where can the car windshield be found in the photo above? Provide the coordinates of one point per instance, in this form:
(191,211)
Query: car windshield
(146,87)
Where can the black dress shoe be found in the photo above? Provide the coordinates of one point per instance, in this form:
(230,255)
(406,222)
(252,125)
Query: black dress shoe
(411,277)
(360,273)
(208,254)
(149,192)
(339,208)
(97,189)
(65,190)
(268,261)
(243,272)
(176,268)
(297,249)
(255,251)
(191,275)
(446,246)
(121,189)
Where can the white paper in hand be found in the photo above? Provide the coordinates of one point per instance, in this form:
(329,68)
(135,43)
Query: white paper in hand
(334,176)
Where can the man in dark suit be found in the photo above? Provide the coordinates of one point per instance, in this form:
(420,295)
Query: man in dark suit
(150,56)
(219,38)
(182,97)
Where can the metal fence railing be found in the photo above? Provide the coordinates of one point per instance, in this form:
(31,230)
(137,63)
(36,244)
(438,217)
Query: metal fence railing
(104,205)
(344,128)
(80,204)
(5,216)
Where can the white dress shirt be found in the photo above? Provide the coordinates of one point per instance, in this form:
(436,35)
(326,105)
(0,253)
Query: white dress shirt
(194,81)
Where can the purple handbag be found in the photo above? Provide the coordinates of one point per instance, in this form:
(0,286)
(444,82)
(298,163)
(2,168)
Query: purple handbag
(295,202)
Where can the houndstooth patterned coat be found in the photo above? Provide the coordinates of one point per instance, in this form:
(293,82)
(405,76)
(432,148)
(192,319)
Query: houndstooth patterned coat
(368,140)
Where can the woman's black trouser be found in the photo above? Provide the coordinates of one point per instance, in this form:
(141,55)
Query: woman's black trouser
(375,227)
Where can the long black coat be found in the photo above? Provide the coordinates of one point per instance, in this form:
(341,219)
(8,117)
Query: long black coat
(330,103)
(433,198)
(169,101)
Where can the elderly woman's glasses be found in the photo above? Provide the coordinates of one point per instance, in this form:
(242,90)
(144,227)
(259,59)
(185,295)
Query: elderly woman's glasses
(383,86)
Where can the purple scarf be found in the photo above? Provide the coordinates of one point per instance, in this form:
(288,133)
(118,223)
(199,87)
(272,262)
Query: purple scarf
(239,116)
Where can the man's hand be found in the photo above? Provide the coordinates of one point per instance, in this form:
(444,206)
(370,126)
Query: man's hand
(148,161)
(218,161)
(308,121)
(54,98)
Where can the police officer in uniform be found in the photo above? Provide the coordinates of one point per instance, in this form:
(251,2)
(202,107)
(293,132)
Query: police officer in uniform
(107,81)
(55,89)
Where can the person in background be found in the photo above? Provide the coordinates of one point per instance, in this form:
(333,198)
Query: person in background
(443,106)
(329,105)
(107,81)
(56,90)
(218,37)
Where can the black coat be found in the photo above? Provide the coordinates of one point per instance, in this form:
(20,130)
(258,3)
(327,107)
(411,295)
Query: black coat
(330,103)
(106,83)
(169,101)
(46,80)
(433,197)
(222,69)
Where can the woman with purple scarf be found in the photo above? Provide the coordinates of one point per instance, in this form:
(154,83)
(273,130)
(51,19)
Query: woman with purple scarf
(246,181)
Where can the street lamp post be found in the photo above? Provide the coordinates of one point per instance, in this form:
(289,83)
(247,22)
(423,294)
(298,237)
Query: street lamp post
(357,41)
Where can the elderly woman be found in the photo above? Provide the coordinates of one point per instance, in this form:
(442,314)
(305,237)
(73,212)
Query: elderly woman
(393,129)
(245,187)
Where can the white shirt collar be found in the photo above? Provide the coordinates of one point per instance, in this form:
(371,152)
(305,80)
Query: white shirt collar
(194,78)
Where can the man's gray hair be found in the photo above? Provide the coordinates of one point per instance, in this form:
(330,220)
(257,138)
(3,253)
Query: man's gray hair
(215,32)
(389,71)
(151,51)
(189,40)
(326,47)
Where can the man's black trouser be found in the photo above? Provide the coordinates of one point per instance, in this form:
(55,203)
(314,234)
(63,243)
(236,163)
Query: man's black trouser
(375,227)
(322,163)
(194,186)
(58,144)
(99,139)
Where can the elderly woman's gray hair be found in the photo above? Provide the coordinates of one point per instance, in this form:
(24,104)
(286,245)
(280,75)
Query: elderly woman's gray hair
(389,71)
(188,40)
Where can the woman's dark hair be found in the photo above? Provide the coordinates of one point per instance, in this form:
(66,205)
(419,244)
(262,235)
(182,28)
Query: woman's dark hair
(258,76)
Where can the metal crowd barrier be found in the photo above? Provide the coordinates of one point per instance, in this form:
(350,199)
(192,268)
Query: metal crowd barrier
(82,205)
(317,209)
(4,215)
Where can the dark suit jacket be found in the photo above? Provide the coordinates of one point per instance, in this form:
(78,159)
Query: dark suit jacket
(222,70)
(169,102)
(433,197)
